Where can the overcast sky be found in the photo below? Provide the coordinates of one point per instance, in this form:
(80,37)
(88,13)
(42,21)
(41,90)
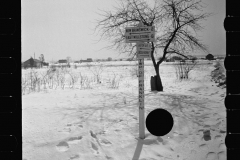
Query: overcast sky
(61,28)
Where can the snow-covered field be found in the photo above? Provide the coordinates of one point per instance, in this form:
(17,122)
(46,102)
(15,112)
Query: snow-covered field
(74,115)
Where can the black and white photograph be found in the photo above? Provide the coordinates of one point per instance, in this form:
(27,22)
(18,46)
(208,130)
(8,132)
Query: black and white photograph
(123,79)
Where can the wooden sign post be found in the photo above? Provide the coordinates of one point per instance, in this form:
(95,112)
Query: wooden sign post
(141,97)
(141,92)
(139,35)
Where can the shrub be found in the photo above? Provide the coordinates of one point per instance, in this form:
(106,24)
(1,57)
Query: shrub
(73,80)
(182,68)
(219,75)
(97,71)
(24,85)
(210,57)
(134,71)
(114,81)
(176,58)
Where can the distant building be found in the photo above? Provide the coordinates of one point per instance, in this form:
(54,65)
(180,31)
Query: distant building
(88,60)
(169,60)
(45,64)
(174,58)
(192,57)
(32,63)
(76,61)
(220,57)
(62,61)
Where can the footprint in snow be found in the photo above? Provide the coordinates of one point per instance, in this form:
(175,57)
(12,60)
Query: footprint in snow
(109,158)
(65,130)
(218,138)
(81,126)
(222,146)
(62,146)
(74,157)
(74,140)
(93,135)
(193,152)
(69,124)
(222,155)
(211,156)
(206,135)
(105,142)
(94,148)
(203,147)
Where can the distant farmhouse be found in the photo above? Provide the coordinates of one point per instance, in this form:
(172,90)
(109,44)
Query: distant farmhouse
(62,61)
(109,59)
(88,60)
(76,61)
(33,63)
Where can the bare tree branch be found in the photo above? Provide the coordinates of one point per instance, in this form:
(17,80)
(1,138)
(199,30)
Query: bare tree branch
(176,22)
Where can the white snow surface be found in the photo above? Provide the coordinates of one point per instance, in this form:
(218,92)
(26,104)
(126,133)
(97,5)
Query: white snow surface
(101,123)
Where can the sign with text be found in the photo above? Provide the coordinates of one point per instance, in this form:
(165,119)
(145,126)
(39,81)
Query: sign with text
(146,37)
(144,49)
(144,45)
(139,35)
(143,54)
(138,30)
(141,83)
(141,98)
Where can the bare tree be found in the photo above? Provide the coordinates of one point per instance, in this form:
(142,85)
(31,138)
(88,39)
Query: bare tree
(176,23)
(41,58)
(68,61)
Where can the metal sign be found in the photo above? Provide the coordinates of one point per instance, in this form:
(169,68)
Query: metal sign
(143,49)
(143,54)
(147,37)
(137,30)
(144,45)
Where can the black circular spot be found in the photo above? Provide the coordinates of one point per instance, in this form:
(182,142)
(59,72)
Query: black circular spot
(159,122)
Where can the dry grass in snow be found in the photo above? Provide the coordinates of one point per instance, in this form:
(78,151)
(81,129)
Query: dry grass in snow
(91,113)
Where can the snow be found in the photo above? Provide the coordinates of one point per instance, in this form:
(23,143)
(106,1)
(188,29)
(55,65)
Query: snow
(101,123)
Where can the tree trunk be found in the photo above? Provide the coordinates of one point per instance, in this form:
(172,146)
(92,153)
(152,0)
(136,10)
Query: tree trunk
(156,83)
